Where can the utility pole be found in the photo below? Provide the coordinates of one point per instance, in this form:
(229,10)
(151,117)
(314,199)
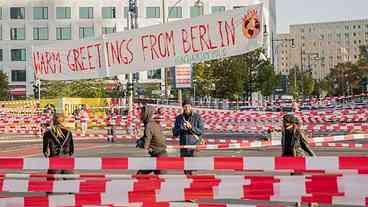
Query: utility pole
(131,24)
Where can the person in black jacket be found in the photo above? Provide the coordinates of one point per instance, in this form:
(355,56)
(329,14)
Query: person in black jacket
(189,128)
(58,142)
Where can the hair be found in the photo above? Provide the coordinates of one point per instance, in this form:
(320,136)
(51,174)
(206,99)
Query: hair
(55,120)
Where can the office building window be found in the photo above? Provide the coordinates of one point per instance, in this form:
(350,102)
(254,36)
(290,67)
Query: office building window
(1,12)
(108,12)
(17,34)
(1,54)
(196,11)
(86,32)
(18,75)
(175,12)
(108,30)
(154,74)
(18,54)
(63,13)
(17,13)
(347,35)
(347,28)
(217,9)
(40,13)
(63,33)
(40,33)
(153,12)
(86,12)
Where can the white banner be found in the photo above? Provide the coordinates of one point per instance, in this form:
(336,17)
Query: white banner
(180,42)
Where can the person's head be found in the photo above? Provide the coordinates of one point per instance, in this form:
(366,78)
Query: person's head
(58,119)
(147,113)
(187,106)
(290,121)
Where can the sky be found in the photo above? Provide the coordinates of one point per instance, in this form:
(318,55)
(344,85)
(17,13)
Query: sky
(311,11)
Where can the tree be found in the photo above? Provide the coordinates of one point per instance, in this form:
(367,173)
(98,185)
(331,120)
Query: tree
(266,79)
(80,88)
(308,84)
(4,86)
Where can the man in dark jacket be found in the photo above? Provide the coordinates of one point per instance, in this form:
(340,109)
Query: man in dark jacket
(154,141)
(294,142)
(189,128)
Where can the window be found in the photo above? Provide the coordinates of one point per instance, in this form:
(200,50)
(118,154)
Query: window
(238,7)
(354,34)
(18,75)
(86,32)
(154,74)
(302,30)
(322,37)
(17,12)
(126,12)
(18,54)
(175,12)
(40,13)
(217,9)
(86,12)
(108,12)
(63,13)
(17,34)
(108,30)
(346,27)
(346,35)
(63,33)
(196,11)
(40,33)
(338,35)
(153,12)
(1,54)
(1,12)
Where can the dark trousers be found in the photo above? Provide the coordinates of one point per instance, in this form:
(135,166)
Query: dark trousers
(187,153)
(156,172)
(110,131)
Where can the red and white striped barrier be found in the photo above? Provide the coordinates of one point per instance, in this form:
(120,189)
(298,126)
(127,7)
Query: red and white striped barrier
(328,164)
(326,189)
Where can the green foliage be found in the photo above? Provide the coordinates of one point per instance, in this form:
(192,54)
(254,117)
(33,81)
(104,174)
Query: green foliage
(230,77)
(4,87)
(80,88)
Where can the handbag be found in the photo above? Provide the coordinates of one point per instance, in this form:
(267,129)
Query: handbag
(140,143)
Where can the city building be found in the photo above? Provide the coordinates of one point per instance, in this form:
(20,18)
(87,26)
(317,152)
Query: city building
(318,47)
(26,23)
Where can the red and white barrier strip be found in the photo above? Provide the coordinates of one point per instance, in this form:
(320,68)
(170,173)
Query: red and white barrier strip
(341,145)
(345,190)
(328,164)
(95,200)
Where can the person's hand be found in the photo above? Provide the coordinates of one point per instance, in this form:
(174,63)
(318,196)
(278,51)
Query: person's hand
(188,125)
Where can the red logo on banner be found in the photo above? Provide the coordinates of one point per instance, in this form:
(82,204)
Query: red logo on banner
(251,24)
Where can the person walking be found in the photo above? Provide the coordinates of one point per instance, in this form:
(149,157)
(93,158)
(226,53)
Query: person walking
(189,128)
(153,141)
(84,120)
(294,142)
(112,116)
